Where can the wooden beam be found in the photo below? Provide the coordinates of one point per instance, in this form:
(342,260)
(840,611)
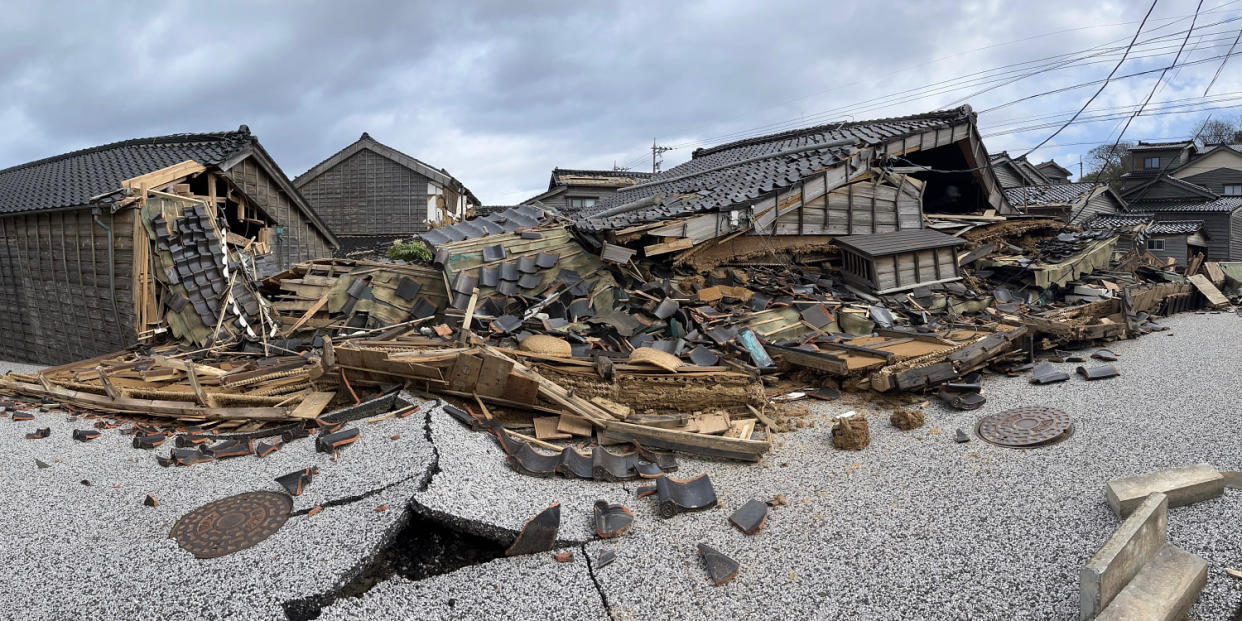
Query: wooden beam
(669,246)
(163,176)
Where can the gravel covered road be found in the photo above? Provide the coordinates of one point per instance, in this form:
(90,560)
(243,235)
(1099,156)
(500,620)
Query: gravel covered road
(916,526)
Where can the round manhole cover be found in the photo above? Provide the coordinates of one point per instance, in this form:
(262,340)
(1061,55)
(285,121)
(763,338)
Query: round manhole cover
(1025,426)
(231,524)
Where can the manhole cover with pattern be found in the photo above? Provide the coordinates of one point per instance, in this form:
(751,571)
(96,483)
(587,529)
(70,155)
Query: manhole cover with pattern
(230,524)
(1025,426)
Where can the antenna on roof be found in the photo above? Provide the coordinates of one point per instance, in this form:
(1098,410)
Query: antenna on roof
(657,156)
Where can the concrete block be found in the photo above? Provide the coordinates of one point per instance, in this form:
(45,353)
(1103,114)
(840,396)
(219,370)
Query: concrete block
(1162,591)
(1135,542)
(1183,486)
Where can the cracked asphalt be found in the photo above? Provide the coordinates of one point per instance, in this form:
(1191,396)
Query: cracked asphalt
(915,526)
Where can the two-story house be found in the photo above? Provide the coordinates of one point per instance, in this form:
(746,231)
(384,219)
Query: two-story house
(1178,181)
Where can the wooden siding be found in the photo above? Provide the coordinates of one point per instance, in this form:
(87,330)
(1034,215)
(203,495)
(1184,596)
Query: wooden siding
(301,241)
(1174,246)
(902,271)
(1100,203)
(1215,180)
(860,207)
(1008,179)
(369,194)
(57,306)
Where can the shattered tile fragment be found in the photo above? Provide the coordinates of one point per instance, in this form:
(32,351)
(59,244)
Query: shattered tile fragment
(720,568)
(751,517)
(611,520)
(539,533)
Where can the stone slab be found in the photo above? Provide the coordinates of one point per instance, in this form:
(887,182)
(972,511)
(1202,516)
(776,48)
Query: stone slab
(1136,541)
(1162,591)
(1183,486)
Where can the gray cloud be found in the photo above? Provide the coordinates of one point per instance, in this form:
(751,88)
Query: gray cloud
(500,92)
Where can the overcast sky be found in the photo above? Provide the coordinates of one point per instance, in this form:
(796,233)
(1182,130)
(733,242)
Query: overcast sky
(499,93)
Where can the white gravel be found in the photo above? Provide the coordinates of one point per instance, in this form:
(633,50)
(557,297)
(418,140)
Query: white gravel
(525,587)
(97,550)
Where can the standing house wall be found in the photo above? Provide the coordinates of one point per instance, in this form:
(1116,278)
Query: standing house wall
(54,270)
(368,194)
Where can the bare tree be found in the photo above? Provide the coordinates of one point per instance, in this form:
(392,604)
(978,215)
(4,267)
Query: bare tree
(1213,131)
(1106,163)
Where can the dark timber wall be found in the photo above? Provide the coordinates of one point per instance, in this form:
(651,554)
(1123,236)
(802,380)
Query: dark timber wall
(301,240)
(369,194)
(57,306)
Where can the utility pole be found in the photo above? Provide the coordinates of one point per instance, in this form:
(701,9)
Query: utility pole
(657,156)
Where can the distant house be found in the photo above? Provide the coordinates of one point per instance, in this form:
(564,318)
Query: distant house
(1016,172)
(1055,172)
(571,191)
(1179,239)
(1073,203)
(72,246)
(800,189)
(1178,181)
(369,191)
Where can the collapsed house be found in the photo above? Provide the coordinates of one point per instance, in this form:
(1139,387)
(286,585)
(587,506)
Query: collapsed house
(76,254)
(1178,182)
(796,189)
(571,191)
(369,192)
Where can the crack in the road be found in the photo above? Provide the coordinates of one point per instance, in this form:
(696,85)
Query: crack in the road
(599,588)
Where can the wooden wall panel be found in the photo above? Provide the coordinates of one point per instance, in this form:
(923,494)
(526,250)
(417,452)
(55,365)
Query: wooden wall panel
(369,194)
(58,306)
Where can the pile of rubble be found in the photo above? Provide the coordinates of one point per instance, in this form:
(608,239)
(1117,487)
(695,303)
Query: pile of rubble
(552,346)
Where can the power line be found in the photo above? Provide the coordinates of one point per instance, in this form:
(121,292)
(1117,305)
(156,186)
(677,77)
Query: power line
(1058,61)
(1113,150)
(978,73)
(1222,63)
(1106,80)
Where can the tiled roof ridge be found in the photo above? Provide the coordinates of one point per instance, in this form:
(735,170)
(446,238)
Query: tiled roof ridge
(242,132)
(962,111)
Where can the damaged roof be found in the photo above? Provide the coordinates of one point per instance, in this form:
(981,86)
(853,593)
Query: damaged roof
(72,179)
(746,170)
(507,221)
(1057,194)
(1111,221)
(881,244)
(602,178)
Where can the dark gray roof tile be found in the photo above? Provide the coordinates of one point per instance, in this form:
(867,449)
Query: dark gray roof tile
(72,179)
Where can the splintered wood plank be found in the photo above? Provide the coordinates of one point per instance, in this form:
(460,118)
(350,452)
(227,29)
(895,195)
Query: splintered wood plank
(312,405)
(713,424)
(521,389)
(1208,290)
(573,425)
(310,312)
(546,428)
(493,376)
(465,373)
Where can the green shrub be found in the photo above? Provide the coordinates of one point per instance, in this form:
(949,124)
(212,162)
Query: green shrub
(413,250)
